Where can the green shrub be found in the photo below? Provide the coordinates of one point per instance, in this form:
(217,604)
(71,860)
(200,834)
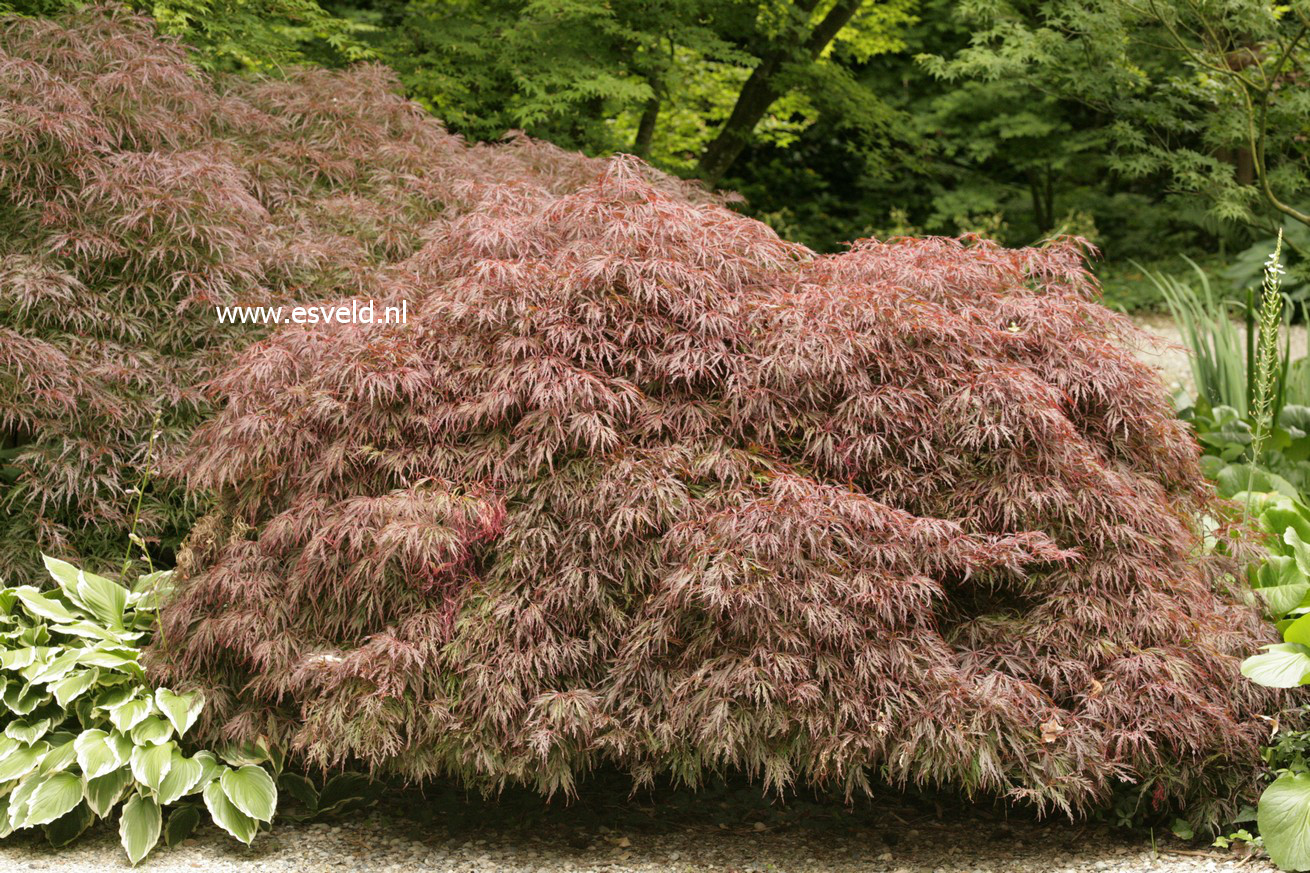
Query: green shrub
(86,734)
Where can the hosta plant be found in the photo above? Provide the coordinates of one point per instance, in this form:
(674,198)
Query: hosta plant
(87,737)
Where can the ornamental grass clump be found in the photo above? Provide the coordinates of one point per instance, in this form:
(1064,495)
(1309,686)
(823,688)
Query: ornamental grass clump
(642,485)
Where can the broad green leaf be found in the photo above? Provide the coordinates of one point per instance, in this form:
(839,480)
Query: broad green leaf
(54,797)
(151,729)
(41,606)
(181,710)
(183,778)
(74,685)
(16,659)
(1298,631)
(130,714)
(96,754)
(111,659)
(105,791)
(61,756)
(138,829)
(1286,515)
(227,816)
(301,789)
(21,761)
(150,764)
(18,799)
(181,822)
(56,669)
(64,574)
(64,830)
(343,790)
(1284,818)
(22,699)
(104,598)
(1282,665)
(252,791)
(210,764)
(1281,584)
(28,730)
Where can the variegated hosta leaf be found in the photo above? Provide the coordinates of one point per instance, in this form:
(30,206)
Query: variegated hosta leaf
(181,710)
(150,764)
(130,714)
(139,827)
(54,797)
(151,729)
(40,605)
(251,790)
(21,761)
(74,685)
(103,793)
(227,816)
(99,753)
(183,778)
(27,730)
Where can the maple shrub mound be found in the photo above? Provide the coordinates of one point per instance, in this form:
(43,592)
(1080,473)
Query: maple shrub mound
(136,194)
(641,484)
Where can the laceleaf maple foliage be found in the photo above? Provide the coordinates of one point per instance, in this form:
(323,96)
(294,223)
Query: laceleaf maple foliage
(136,193)
(641,484)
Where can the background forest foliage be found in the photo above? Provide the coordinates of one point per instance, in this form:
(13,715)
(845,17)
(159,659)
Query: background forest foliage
(1153,127)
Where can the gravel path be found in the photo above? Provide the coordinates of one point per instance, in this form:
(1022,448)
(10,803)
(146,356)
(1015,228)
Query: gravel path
(728,831)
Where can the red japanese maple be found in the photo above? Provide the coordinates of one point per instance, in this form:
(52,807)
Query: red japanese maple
(642,484)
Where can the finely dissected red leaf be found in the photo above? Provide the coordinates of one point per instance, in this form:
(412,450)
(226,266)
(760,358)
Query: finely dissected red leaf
(641,483)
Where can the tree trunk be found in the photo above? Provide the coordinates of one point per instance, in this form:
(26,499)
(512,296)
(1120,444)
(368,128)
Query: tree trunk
(646,127)
(760,90)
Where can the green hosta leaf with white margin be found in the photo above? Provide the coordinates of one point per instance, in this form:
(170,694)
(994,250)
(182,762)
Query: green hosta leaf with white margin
(22,699)
(112,659)
(139,828)
(17,659)
(181,710)
(227,816)
(1284,819)
(99,753)
(21,761)
(62,754)
(251,790)
(103,792)
(64,830)
(1282,665)
(39,605)
(150,764)
(74,685)
(19,797)
(28,730)
(56,669)
(105,599)
(53,798)
(130,714)
(151,729)
(183,778)
(212,767)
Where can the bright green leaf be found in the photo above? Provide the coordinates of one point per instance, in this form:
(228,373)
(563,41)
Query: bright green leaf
(227,816)
(1283,665)
(252,791)
(54,797)
(139,827)
(181,710)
